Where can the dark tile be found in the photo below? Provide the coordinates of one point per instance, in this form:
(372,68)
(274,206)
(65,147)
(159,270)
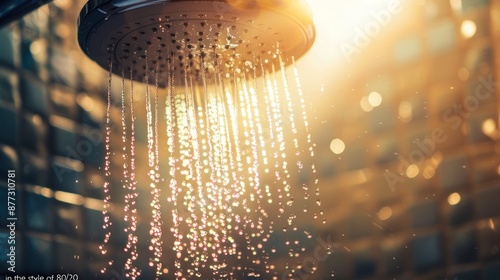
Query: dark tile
(464,246)
(453,137)
(396,223)
(117,192)
(355,156)
(93,262)
(93,225)
(359,225)
(64,138)
(38,214)
(451,173)
(492,272)
(480,90)
(439,275)
(381,118)
(394,258)
(461,212)
(92,253)
(34,133)
(419,186)
(7,85)
(149,273)
(9,51)
(8,160)
(484,171)
(35,170)
(384,189)
(273,244)
(416,135)
(90,146)
(467,275)
(304,176)
(489,239)
(386,149)
(38,252)
(424,213)
(68,257)
(418,106)
(9,127)
(93,271)
(487,202)
(143,230)
(143,200)
(94,181)
(69,219)
(427,252)
(89,110)
(365,264)
(66,175)
(326,165)
(34,96)
(340,264)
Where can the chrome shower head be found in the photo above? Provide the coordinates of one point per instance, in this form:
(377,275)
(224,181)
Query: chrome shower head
(145,36)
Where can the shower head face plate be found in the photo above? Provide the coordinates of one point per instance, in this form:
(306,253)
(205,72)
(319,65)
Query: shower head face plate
(149,40)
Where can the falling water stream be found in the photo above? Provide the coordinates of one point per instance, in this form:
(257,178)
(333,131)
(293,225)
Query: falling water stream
(221,162)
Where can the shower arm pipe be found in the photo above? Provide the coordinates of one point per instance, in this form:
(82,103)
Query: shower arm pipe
(11,10)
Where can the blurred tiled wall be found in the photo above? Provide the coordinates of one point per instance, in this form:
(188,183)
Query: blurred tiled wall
(50,113)
(415,194)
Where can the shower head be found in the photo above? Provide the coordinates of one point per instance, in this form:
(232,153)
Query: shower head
(152,38)
(221,121)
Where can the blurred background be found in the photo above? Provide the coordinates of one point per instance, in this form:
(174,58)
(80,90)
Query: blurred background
(404,111)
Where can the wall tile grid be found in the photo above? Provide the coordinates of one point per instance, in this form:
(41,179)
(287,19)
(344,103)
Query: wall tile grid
(50,135)
(439,220)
